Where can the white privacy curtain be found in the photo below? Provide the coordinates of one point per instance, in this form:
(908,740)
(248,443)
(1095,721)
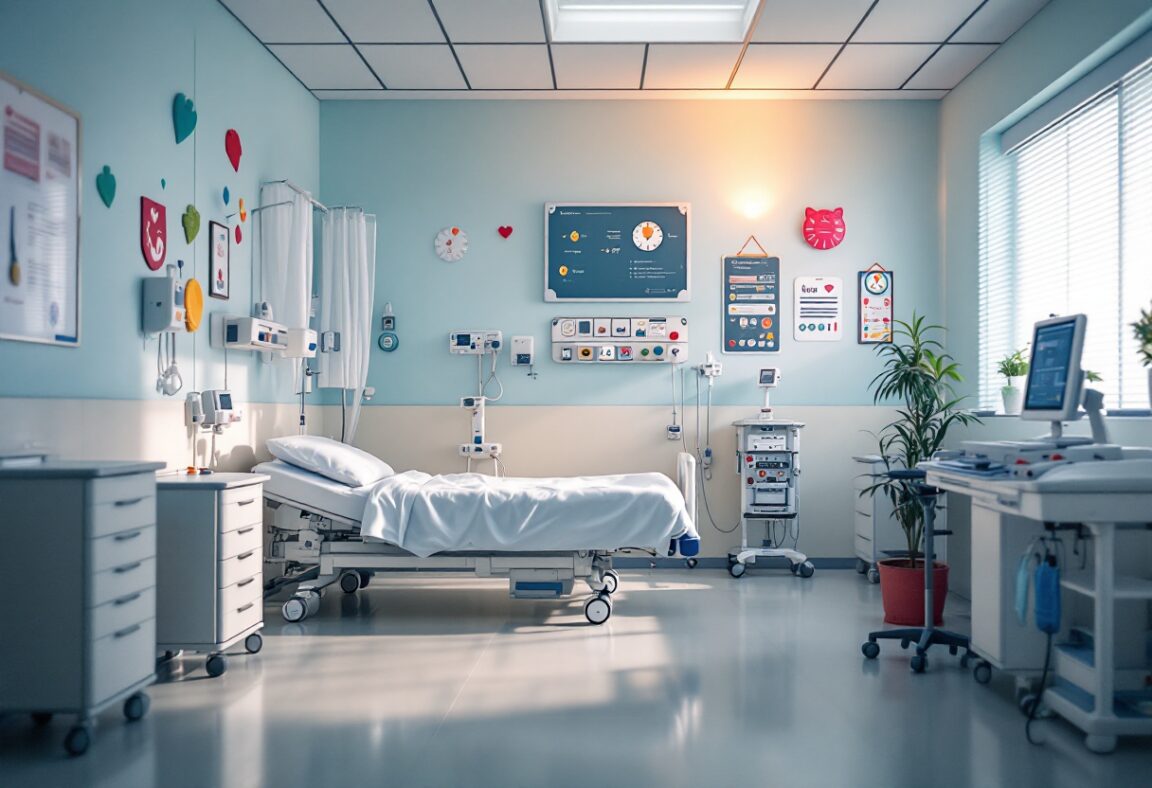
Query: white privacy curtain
(285,239)
(347,281)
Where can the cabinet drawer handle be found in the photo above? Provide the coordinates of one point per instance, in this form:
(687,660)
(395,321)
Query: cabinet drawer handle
(243,583)
(127,631)
(126,537)
(247,530)
(127,567)
(242,556)
(130,501)
(126,599)
(238,610)
(245,503)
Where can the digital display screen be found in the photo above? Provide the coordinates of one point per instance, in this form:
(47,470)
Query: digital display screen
(767,377)
(225,401)
(463,340)
(1049,368)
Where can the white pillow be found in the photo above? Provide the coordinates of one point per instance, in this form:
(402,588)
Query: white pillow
(333,459)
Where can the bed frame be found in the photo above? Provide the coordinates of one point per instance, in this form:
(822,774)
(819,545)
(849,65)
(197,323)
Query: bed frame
(314,550)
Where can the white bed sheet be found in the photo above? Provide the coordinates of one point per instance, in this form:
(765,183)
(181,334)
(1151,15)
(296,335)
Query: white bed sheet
(426,514)
(313,491)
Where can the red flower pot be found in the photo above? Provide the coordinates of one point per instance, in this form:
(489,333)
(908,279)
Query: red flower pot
(902,589)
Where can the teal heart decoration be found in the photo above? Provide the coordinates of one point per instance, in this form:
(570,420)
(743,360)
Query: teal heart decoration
(191,222)
(183,117)
(106,186)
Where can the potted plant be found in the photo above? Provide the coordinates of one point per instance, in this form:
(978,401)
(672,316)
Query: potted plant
(1012,367)
(919,374)
(1142,329)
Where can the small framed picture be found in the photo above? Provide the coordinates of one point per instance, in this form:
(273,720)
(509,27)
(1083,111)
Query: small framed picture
(218,271)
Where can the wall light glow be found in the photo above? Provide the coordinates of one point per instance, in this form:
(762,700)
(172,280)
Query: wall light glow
(752,203)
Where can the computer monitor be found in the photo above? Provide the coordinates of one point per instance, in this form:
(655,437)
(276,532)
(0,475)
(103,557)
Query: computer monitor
(1055,379)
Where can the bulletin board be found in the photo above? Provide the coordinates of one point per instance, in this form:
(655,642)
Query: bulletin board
(751,304)
(616,252)
(39,217)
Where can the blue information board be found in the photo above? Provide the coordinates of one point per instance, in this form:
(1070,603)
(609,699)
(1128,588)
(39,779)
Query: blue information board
(751,293)
(616,252)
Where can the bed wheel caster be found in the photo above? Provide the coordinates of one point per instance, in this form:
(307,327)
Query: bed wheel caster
(873,575)
(805,569)
(216,665)
(691,562)
(737,569)
(365,578)
(301,606)
(982,672)
(919,663)
(598,609)
(253,643)
(78,739)
(350,582)
(611,581)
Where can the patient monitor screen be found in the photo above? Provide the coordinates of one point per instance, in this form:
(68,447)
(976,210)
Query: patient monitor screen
(225,401)
(1051,361)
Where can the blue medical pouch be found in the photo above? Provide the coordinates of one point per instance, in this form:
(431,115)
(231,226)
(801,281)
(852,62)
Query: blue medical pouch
(1048,596)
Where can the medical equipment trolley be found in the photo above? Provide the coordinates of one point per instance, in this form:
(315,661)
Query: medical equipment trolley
(210,585)
(767,459)
(80,621)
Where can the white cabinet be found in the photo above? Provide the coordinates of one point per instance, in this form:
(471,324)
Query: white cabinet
(210,556)
(878,534)
(81,544)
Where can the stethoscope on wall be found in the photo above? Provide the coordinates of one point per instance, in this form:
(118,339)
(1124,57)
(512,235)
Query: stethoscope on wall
(168,379)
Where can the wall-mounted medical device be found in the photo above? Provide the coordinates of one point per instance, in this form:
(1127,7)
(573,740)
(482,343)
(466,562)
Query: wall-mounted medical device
(300,343)
(619,340)
(523,351)
(475,342)
(769,379)
(478,447)
(247,333)
(212,408)
(163,303)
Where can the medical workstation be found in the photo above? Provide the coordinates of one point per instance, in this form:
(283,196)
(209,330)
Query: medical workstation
(545,392)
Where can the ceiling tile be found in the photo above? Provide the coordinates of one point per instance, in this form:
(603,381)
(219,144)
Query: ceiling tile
(415,66)
(283,21)
(914,20)
(950,65)
(809,20)
(326,65)
(491,21)
(999,19)
(875,66)
(511,67)
(684,66)
(393,21)
(784,66)
(589,66)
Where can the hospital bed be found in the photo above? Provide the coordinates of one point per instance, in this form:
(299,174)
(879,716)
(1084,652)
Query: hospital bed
(542,534)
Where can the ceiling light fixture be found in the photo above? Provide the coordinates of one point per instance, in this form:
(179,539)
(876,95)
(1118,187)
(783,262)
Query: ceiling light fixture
(660,20)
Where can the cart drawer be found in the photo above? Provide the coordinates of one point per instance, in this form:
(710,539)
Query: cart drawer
(120,581)
(123,548)
(240,606)
(121,659)
(239,567)
(241,540)
(123,612)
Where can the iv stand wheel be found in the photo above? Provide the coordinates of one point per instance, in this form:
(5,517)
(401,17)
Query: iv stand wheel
(598,609)
(919,663)
(253,643)
(737,569)
(873,575)
(982,672)
(805,569)
(870,649)
(611,581)
(350,582)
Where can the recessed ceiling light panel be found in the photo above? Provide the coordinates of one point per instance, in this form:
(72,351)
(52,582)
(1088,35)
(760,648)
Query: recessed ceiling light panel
(649,20)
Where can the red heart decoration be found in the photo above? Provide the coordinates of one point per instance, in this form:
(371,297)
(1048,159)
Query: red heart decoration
(504,231)
(829,288)
(455,230)
(232,148)
(239,235)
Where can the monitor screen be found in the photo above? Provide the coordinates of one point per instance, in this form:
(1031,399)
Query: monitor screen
(1053,346)
(225,401)
(768,377)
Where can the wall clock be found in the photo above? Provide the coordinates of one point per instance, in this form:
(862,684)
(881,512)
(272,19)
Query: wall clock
(451,244)
(647,236)
(823,229)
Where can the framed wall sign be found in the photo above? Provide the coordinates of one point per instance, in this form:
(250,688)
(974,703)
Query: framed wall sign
(218,270)
(818,308)
(750,294)
(876,305)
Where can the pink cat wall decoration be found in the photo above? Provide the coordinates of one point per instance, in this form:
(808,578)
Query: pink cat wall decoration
(823,229)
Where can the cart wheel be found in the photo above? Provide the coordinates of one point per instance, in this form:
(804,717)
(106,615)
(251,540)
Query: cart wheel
(365,578)
(611,581)
(870,649)
(953,650)
(253,643)
(136,706)
(216,665)
(919,663)
(737,569)
(873,575)
(1027,704)
(904,643)
(861,566)
(77,740)
(692,563)
(41,718)
(793,568)
(965,658)
(598,609)
(982,672)
(349,582)
(294,609)
(805,569)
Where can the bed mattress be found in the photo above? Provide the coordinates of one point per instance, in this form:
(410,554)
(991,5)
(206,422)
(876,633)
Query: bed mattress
(313,492)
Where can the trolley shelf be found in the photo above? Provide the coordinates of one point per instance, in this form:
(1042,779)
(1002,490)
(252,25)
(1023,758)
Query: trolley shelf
(1124,586)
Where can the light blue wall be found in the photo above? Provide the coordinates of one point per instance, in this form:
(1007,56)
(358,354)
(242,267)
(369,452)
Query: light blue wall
(423,165)
(119,64)
(1062,42)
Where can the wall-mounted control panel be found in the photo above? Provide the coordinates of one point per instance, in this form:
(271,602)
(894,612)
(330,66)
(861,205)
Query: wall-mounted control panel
(619,340)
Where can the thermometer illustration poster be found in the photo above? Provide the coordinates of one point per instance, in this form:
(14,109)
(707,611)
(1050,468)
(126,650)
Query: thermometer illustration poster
(818,308)
(876,306)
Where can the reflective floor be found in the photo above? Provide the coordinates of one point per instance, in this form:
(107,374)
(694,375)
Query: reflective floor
(697,679)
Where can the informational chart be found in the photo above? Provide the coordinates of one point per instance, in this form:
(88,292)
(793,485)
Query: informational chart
(819,307)
(876,306)
(750,292)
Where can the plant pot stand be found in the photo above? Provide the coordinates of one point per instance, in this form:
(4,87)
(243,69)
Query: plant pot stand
(928,635)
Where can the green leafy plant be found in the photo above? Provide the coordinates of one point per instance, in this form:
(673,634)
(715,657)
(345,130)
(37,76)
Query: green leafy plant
(1013,366)
(1092,377)
(919,375)
(1142,329)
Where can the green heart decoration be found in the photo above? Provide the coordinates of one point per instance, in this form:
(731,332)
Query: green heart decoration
(183,117)
(191,222)
(106,186)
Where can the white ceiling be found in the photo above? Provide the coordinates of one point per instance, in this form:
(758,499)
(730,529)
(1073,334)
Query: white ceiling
(467,48)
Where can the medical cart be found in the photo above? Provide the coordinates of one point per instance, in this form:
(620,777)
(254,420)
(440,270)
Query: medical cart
(210,582)
(767,459)
(85,640)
